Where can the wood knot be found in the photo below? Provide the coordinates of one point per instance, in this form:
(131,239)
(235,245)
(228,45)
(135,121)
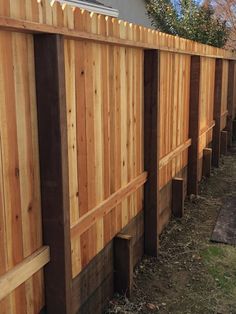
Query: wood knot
(17,172)
(30,207)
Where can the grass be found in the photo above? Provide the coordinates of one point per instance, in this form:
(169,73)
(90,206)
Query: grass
(220,262)
(212,252)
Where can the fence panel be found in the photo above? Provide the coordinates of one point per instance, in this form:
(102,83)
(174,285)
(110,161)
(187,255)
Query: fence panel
(207,82)
(104,114)
(20,209)
(224,107)
(234,95)
(105,133)
(173,128)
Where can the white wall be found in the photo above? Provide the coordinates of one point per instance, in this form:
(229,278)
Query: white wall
(130,10)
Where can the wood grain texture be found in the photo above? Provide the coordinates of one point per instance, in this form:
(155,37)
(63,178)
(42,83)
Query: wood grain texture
(87,286)
(53,147)
(224,93)
(23,271)
(20,208)
(94,124)
(105,143)
(173,127)
(217,113)
(93,287)
(106,206)
(230,101)
(166,159)
(42,17)
(206,99)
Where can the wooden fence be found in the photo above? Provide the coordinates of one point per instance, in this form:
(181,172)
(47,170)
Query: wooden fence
(105,127)
(20,209)
(173,127)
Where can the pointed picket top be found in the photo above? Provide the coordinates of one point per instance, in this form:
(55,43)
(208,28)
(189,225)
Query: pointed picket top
(66,17)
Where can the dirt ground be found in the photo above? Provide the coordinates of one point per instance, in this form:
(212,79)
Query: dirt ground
(191,274)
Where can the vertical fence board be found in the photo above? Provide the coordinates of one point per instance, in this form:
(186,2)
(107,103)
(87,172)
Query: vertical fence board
(207,83)
(92,142)
(20,208)
(230,101)
(217,113)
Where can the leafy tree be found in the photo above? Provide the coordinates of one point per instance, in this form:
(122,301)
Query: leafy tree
(225,10)
(188,19)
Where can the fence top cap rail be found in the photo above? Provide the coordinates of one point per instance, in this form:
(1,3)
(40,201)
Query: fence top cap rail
(44,16)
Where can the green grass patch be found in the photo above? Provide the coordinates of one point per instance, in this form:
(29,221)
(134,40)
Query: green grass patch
(220,263)
(211,252)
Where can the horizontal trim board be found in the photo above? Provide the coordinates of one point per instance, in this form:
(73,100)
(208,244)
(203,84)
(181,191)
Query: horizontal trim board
(166,159)
(208,128)
(106,206)
(23,271)
(224,113)
(24,26)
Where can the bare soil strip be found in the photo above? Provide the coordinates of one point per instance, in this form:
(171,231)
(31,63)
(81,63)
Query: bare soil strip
(191,274)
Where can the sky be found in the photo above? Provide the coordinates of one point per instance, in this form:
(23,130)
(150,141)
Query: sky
(176,1)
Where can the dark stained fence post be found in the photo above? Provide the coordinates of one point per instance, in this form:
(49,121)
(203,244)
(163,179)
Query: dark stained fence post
(217,113)
(151,149)
(223,142)
(234,130)
(178,197)
(194,124)
(206,164)
(230,104)
(123,264)
(52,125)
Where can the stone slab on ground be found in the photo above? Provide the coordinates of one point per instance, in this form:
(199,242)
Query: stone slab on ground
(225,229)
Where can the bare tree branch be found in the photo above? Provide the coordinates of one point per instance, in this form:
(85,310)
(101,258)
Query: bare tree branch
(226,11)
